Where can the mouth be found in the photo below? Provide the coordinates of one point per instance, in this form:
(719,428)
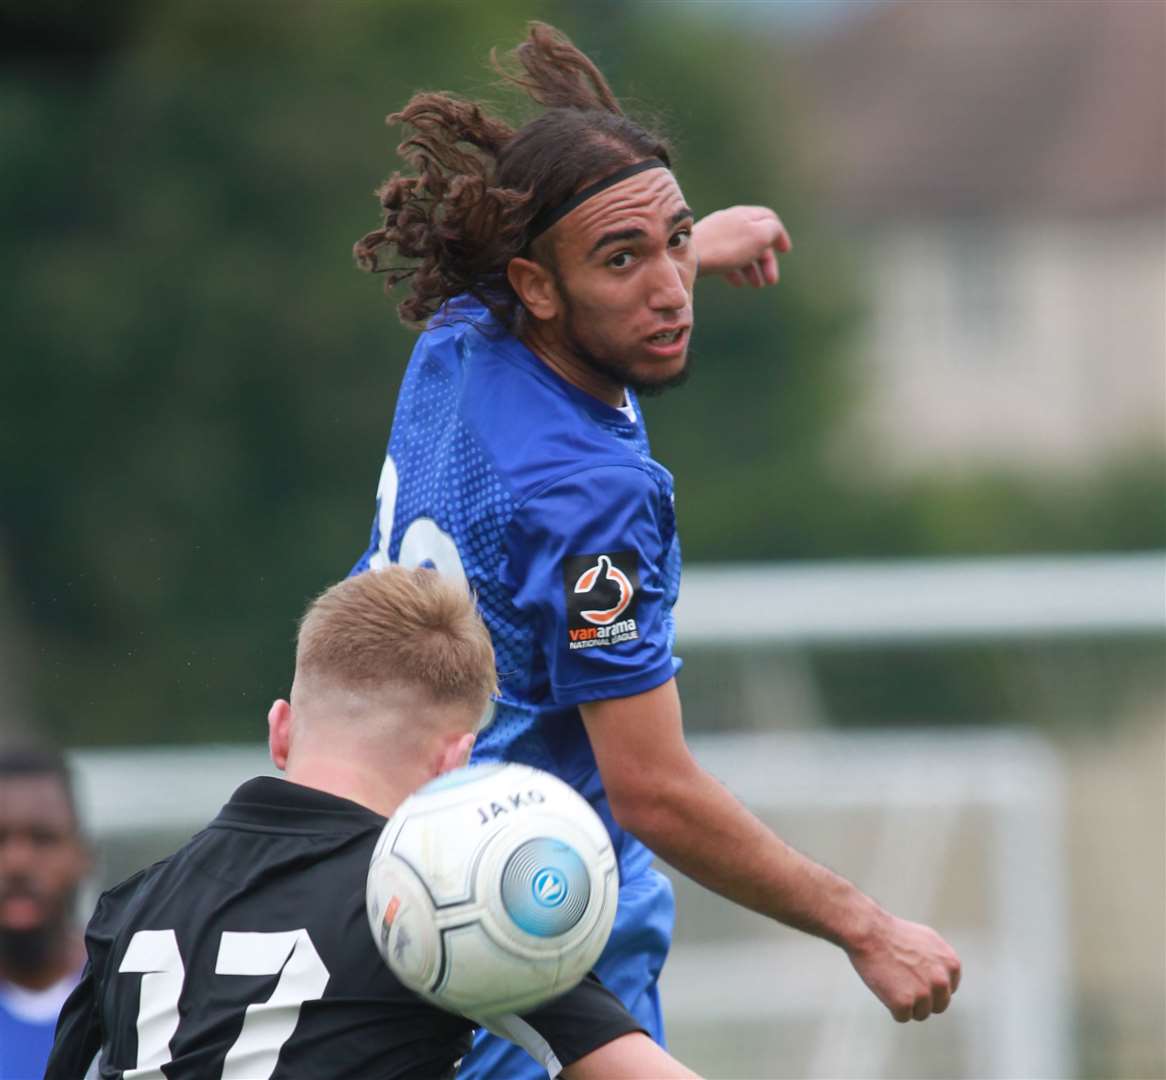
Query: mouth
(21,911)
(668,342)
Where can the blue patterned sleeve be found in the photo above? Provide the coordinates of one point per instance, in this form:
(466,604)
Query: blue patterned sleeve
(584,558)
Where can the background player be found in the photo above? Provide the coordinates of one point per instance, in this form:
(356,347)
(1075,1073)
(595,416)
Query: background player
(247,953)
(43,861)
(557,262)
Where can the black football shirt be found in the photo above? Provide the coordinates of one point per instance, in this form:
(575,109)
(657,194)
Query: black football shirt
(247,955)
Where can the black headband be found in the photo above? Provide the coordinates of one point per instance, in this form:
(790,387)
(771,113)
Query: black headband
(547,217)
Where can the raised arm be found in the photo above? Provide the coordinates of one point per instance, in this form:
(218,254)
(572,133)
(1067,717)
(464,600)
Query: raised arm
(742,244)
(660,793)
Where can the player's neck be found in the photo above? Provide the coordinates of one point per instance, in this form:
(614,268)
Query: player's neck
(369,784)
(556,354)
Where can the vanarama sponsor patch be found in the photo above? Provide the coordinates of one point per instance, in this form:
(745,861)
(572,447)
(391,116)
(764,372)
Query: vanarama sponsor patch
(601,598)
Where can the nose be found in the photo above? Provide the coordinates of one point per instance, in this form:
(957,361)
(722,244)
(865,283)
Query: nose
(17,854)
(669,285)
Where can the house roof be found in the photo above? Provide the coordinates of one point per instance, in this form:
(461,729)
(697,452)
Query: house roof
(970,106)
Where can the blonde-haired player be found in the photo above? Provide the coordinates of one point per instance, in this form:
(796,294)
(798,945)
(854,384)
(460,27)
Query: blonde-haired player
(247,954)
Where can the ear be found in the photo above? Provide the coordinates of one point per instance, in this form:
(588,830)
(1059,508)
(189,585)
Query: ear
(536,288)
(279,732)
(455,753)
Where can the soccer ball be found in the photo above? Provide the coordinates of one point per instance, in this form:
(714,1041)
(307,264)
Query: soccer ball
(492,889)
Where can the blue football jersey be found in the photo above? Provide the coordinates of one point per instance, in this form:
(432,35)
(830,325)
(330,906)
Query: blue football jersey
(28,1020)
(548,502)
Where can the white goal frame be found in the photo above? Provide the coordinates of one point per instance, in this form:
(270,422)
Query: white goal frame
(1013,1008)
(908,791)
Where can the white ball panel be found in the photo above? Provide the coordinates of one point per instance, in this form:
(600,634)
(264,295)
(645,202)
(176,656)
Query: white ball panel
(458,836)
(482,979)
(400,916)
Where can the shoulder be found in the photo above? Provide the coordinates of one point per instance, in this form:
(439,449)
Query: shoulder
(464,324)
(599,486)
(112,905)
(612,508)
(540,435)
(532,426)
(116,911)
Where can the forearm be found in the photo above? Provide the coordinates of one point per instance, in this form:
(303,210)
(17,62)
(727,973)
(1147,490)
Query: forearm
(660,793)
(711,257)
(630,1057)
(699,828)
(741,242)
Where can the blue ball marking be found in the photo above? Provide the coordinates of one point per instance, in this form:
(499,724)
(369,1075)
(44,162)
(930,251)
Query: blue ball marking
(549,887)
(545,887)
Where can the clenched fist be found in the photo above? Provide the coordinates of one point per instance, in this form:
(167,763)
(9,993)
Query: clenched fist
(908,967)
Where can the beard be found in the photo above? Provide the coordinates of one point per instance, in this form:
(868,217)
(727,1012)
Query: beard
(28,951)
(30,948)
(617,370)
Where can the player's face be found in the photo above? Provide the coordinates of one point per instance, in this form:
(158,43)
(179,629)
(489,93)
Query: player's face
(625,268)
(42,858)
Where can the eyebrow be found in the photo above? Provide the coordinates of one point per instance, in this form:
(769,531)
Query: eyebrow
(635,234)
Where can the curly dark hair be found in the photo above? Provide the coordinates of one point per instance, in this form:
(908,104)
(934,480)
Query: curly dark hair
(480,183)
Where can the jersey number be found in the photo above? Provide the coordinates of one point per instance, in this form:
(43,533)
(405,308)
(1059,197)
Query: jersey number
(267,1025)
(425,543)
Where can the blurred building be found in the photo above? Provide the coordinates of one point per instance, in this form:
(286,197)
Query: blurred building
(1000,171)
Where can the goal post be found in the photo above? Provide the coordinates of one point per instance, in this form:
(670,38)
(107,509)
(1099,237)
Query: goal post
(961,828)
(963,831)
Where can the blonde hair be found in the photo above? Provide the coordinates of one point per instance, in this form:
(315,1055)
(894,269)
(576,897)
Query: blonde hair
(398,627)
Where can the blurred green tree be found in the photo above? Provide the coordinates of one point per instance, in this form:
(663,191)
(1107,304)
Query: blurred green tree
(197,386)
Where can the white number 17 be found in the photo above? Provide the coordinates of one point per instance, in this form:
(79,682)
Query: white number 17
(267,1025)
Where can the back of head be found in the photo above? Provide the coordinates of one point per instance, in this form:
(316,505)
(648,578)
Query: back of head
(395,634)
(481,186)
